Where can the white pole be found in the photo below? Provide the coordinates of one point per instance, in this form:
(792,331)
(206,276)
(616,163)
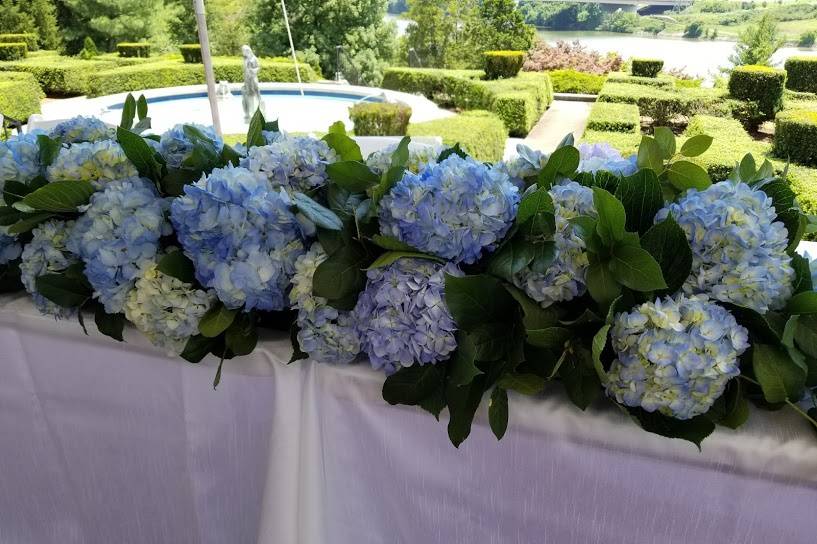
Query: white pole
(206,59)
(292,47)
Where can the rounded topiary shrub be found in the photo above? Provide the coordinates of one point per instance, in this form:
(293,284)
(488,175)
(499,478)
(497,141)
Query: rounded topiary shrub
(795,136)
(380,118)
(30,39)
(503,64)
(801,74)
(191,53)
(646,67)
(133,49)
(13,51)
(760,84)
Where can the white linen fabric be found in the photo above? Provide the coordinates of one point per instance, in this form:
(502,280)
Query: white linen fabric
(116,443)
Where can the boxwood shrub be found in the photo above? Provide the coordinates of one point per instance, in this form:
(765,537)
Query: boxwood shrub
(646,67)
(626,142)
(380,118)
(664,82)
(191,53)
(30,39)
(613,117)
(660,104)
(760,84)
(61,76)
(133,49)
(481,133)
(20,95)
(795,136)
(503,64)
(801,74)
(730,143)
(575,82)
(13,51)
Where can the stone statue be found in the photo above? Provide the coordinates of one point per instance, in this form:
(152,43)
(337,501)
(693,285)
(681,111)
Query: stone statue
(250,92)
(223,90)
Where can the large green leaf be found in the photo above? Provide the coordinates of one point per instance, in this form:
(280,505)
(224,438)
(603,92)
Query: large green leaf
(462,367)
(641,196)
(687,175)
(177,265)
(346,148)
(650,155)
(142,107)
(217,320)
(392,244)
(128,112)
(410,385)
(255,137)
(60,196)
(463,402)
(665,140)
(779,376)
(636,269)
(62,290)
(697,145)
(498,412)
(242,336)
(49,149)
(693,430)
(477,300)
(579,377)
(511,259)
(803,303)
(599,343)
(392,256)
(550,337)
(527,384)
(322,217)
(601,283)
(112,325)
(731,409)
(139,153)
(341,274)
(353,176)
(533,315)
(668,244)
(612,217)
(197,348)
(537,202)
(28,222)
(562,162)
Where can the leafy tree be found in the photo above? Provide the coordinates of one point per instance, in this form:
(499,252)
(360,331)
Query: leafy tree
(14,20)
(43,13)
(500,26)
(807,39)
(321,25)
(440,30)
(226,23)
(695,29)
(620,21)
(561,15)
(757,43)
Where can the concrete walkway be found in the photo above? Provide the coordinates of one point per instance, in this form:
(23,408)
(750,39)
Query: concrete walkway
(562,117)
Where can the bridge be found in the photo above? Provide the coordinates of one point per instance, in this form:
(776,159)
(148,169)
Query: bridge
(632,3)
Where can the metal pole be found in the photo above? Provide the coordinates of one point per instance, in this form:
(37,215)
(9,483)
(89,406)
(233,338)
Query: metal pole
(206,59)
(292,47)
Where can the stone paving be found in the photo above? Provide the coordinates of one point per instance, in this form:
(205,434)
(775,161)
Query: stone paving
(562,117)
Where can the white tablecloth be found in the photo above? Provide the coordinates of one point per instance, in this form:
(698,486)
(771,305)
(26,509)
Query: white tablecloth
(116,443)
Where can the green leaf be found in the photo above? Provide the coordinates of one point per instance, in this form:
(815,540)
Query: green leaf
(579,377)
(476,300)
(60,196)
(599,343)
(49,149)
(668,244)
(533,204)
(693,430)
(173,182)
(527,384)
(435,402)
(142,107)
(400,156)
(63,291)
(455,150)
(803,303)
(512,259)
(321,216)
(28,222)
(341,274)
(636,269)
(391,256)
(393,244)
(780,378)
(498,412)
(242,336)
(217,320)
(601,283)
(139,153)
(346,148)
(665,140)
(337,128)
(747,169)
(650,155)
(462,367)
(697,145)
(805,335)
(640,194)
(230,155)
(255,138)
(462,405)
(197,348)
(562,162)
(550,337)
(128,112)
(175,264)
(534,316)
(353,176)
(112,325)
(687,175)
(409,385)
(612,217)
(731,409)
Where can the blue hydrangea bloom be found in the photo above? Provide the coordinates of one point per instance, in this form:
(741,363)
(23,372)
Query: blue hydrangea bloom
(565,278)
(325,333)
(98,162)
(738,246)
(19,158)
(176,147)
(242,237)
(675,355)
(420,155)
(47,253)
(455,209)
(402,317)
(596,157)
(118,236)
(527,163)
(295,163)
(10,248)
(82,129)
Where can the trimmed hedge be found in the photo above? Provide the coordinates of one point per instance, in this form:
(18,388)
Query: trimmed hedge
(575,82)
(20,95)
(380,118)
(731,142)
(503,64)
(58,75)
(611,117)
(191,53)
(627,143)
(646,67)
(660,104)
(795,136)
(481,133)
(13,51)
(664,82)
(30,39)
(141,50)
(759,84)
(801,74)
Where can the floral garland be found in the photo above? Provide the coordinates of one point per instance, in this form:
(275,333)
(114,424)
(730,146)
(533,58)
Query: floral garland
(633,278)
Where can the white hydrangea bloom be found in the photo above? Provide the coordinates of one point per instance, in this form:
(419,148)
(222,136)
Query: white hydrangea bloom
(98,162)
(420,156)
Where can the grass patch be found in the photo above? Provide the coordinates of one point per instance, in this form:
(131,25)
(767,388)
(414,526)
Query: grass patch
(612,117)
(481,133)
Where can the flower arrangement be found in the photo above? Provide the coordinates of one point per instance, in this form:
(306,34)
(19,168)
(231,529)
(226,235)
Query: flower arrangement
(631,279)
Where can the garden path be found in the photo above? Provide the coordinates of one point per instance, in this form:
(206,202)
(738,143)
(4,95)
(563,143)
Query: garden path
(562,117)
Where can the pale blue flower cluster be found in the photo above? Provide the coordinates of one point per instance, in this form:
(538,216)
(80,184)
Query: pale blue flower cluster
(242,237)
(456,209)
(19,158)
(98,162)
(296,163)
(47,253)
(325,333)
(565,277)
(675,355)
(526,164)
(118,236)
(738,246)
(10,248)
(420,156)
(82,129)
(596,157)
(402,317)
(176,147)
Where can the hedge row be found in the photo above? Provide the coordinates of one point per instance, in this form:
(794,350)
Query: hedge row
(731,142)
(481,133)
(795,136)
(503,64)
(801,74)
(575,82)
(612,117)
(518,101)
(664,82)
(759,84)
(626,142)
(30,39)
(65,76)
(141,50)
(380,118)
(20,95)
(13,51)
(660,104)
(191,53)
(647,67)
